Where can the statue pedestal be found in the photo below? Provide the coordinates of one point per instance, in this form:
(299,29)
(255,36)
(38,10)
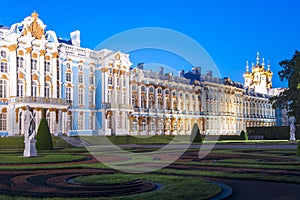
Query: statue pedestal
(292,137)
(30,149)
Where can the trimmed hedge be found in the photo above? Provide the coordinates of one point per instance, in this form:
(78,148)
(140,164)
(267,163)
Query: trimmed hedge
(195,135)
(43,137)
(273,132)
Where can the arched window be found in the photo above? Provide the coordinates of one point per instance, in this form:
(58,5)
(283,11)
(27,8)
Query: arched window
(80,78)
(80,121)
(143,88)
(109,80)
(133,100)
(151,102)
(47,66)
(109,121)
(159,90)
(80,96)
(166,91)
(3,123)
(48,118)
(4,67)
(133,87)
(152,125)
(91,97)
(120,120)
(134,125)
(33,64)
(70,121)
(160,103)
(68,94)
(144,124)
(20,62)
(47,90)
(68,77)
(91,80)
(3,89)
(92,121)
(33,89)
(143,101)
(151,89)
(20,88)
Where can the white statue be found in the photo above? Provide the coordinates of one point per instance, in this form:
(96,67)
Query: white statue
(30,148)
(29,125)
(292,129)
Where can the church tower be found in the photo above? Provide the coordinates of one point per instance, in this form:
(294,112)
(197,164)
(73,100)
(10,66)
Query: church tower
(259,79)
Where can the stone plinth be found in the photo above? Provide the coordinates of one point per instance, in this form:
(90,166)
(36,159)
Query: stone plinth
(30,149)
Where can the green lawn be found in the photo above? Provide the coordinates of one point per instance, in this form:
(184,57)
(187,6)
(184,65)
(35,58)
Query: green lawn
(18,142)
(174,187)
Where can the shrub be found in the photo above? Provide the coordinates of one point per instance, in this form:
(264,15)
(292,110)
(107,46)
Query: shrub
(298,149)
(273,132)
(244,135)
(43,137)
(195,135)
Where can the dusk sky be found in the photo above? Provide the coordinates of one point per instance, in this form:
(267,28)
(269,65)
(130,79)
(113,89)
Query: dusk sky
(230,31)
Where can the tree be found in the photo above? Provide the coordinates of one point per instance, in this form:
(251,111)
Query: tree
(290,98)
(43,137)
(195,135)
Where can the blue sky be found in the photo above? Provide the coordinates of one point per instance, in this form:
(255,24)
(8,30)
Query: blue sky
(231,31)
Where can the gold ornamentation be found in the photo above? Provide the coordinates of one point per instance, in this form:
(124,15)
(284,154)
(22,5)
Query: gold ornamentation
(21,75)
(42,52)
(55,55)
(20,53)
(28,50)
(34,55)
(4,77)
(35,29)
(13,47)
(35,77)
(47,57)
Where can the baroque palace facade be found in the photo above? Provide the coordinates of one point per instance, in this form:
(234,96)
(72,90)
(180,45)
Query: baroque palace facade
(86,92)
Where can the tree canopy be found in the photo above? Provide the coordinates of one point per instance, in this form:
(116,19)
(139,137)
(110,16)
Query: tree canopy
(290,98)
